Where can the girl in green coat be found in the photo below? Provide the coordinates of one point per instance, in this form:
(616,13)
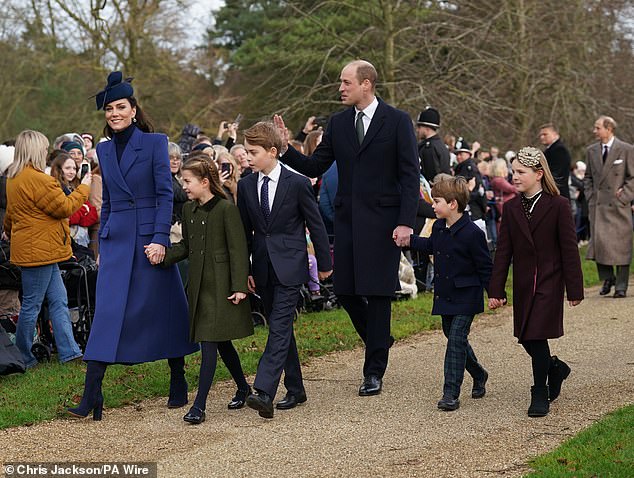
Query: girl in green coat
(214,242)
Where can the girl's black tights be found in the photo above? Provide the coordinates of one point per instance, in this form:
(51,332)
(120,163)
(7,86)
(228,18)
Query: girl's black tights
(209,353)
(540,356)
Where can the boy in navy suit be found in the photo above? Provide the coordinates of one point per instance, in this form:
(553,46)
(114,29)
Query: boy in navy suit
(462,267)
(276,206)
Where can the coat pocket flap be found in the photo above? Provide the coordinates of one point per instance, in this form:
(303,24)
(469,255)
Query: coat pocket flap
(466,281)
(222,257)
(295,244)
(146,229)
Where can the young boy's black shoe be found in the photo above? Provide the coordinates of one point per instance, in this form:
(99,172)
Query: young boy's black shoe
(448,404)
(479,386)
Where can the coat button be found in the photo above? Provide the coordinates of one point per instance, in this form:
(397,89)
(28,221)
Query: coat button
(203,223)
(437,297)
(268,235)
(131,203)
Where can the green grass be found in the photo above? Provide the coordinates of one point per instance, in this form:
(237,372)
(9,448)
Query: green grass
(44,391)
(605,449)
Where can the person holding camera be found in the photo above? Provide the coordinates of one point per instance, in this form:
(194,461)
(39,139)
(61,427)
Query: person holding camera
(229,176)
(64,169)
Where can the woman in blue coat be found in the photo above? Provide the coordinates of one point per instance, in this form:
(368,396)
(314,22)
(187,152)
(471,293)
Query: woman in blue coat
(141,310)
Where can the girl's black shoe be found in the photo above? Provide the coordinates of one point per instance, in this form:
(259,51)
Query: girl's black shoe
(239,400)
(195,416)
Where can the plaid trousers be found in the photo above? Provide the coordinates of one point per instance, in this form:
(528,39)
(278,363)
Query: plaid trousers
(459,354)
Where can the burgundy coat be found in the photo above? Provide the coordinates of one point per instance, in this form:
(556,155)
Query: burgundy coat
(545,259)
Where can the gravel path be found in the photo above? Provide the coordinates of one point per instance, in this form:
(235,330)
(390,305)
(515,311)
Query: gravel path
(398,433)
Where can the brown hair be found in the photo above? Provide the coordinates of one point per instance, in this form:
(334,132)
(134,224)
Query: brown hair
(452,188)
(203,167)
(549,126)
(264,134)
(311,142)
(58,173)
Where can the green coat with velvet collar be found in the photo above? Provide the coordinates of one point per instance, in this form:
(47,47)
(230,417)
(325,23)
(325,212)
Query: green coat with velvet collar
(214,242)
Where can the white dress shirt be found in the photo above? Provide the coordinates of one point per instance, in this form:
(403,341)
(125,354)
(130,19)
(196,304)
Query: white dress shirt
(368,113)
(274,177)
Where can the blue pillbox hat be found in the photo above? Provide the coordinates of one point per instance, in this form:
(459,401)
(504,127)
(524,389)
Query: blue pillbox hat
(116,89)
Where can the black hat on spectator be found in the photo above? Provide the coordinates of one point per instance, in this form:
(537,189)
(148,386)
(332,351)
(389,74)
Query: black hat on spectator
(429,117)
(462,146)
(116,89)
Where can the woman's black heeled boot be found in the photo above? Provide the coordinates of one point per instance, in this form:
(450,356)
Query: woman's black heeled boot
(92,400)
(178,384)
(239,400)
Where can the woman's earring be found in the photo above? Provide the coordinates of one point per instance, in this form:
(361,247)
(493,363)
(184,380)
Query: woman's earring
(134,119)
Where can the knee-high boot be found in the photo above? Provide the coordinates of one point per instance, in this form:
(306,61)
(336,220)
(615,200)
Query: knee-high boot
(178,384)
(92,399)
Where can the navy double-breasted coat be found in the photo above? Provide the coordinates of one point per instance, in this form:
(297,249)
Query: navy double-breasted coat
(140,310)
(378,190)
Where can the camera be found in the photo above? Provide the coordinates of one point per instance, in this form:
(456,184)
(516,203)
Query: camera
(320,122)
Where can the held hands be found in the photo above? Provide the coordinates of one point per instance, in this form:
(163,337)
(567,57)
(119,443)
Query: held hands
(281,127)
(155,253)
(236,297)
(496,303)
(401,235)
(324,275)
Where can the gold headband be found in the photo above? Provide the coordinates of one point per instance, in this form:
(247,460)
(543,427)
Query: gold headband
(530,157)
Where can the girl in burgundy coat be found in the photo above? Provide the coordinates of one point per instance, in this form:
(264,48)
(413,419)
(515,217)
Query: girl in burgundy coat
(538,235)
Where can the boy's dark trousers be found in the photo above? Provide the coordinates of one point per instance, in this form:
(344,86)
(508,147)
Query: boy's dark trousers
(280,353)
(459,354)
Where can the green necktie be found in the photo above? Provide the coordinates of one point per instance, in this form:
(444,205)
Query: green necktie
(359,127)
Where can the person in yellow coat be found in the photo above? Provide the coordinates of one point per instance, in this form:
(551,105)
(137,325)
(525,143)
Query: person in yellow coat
(36,222)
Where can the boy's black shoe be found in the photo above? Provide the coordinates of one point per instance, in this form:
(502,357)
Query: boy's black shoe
(557,373)
(607,286)
(372,385)
(479,386)
(262,403)
(619,294)
(539,402)
(448,404)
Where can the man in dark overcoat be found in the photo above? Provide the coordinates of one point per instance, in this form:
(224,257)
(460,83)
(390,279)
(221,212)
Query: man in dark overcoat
(558,157)
(375,207)
(609,188)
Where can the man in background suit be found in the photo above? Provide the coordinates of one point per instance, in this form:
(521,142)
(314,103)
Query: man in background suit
(374,146)
(276,206)
(558,157)
(609,188)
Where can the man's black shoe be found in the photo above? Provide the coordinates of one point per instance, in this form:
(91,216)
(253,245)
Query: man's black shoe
(619,294)
(262,403)
(448,404)
(607,286)
(371,385)
(291,401)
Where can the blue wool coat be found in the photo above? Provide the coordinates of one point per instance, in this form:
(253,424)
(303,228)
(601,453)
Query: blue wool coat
(140,310)
(462,266)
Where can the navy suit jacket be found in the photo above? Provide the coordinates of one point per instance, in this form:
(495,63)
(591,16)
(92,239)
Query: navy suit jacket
(378,190)
(462,266)
(283,240)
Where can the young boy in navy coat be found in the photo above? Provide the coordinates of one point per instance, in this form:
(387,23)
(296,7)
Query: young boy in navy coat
(276,206)
(462,267)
